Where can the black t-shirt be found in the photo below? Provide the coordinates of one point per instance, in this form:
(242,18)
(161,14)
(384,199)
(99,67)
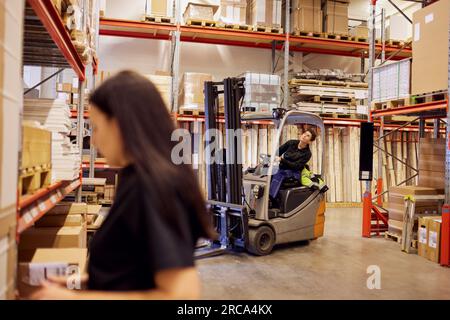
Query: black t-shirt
(293,158)
(135,241)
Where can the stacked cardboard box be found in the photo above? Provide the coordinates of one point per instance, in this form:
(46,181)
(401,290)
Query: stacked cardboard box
(233,11)
(336,16)
(262,92)
(164,86)
(54,115)
(159,8)
(432,163)
(396,205)
(306,15)
(266,13)
(191,95)
(430,48)
(429,238)
(199,11)
(361,31)
(399,28)
(11,99)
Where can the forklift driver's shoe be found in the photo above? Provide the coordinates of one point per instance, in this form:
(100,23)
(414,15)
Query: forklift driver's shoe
(324,188)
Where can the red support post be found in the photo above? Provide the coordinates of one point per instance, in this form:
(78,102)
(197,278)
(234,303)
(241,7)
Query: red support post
(445,236)
(379,191)
(367,214)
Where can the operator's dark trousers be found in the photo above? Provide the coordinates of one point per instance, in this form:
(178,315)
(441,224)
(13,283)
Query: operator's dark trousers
(277,180)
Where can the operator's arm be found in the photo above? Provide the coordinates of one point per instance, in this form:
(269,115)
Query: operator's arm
(284,147)
(298,164)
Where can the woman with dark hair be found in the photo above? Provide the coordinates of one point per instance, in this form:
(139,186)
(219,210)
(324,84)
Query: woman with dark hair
(144,249)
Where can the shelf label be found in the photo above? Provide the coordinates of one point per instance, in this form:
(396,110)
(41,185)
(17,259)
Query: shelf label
(42,206)
(34,212)
(27,218)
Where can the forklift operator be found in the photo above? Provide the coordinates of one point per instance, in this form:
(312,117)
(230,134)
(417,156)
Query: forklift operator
(293,156)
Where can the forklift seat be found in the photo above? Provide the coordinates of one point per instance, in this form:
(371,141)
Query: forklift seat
(293,197)
(290,183)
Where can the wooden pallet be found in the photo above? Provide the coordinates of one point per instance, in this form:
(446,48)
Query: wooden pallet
(336,115)
(398,238)
(390,104)
(429,97)
(242,27)
(191,112)
(313,34)
(158,19)
(335,36)
(201,23)
(343,84)
(360,39)
(396,43)
(267,29)
(34,178)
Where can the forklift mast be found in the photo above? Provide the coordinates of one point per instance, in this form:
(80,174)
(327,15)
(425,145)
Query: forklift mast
(224,176)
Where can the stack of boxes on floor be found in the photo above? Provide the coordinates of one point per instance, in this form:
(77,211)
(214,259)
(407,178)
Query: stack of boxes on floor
(56,245)
(336,16)
(11,95)
(306,15)
(429,237)
(54,115)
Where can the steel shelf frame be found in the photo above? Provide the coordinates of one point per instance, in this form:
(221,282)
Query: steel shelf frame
(43,19)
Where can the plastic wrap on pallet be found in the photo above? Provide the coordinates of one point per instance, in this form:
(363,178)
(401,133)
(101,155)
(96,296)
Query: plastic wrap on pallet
(200,11)
(191,90)
(159,8)
(233,12)
(262,91)
(264,13)
(392,81)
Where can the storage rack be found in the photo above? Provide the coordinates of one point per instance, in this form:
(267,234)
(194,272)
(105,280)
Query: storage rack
(47,43)
(436,110)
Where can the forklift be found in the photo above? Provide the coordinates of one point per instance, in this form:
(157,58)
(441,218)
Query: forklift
(239,201)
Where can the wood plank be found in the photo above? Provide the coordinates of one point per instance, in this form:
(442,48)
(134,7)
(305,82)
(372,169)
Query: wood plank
(338,163)
(331,165)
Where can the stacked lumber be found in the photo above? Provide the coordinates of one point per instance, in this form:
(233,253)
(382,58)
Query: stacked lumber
(54,115)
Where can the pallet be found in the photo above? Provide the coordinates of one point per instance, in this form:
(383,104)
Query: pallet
(201,23)
(313,34)
(395,43)
(191,112)
(390,104)
(343,84)
(336,115)
(34,178)
(335,36)
(158,19)
(267,29)
(398,238)
(429,97)
(360,39)
(242,27)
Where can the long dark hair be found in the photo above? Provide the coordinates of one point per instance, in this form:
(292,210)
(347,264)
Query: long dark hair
(146,128)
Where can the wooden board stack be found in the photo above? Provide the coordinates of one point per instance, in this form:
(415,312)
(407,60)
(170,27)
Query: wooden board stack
(54,115)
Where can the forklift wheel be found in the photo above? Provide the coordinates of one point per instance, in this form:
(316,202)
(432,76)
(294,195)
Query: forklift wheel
(261,240)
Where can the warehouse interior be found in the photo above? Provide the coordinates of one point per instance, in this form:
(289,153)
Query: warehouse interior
(367,216)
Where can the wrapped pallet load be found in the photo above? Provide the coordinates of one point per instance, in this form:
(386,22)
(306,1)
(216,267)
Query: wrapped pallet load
(199,12)
(264,13)
(191,97)
(158,8)
(262,92)
(233,11)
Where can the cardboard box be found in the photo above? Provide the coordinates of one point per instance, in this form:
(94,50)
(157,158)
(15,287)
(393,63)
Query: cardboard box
(64,237)
(430,48)
(422,237)
(44,262)
(65,208)
(340,8)
(434,239)
(64,87)
(336,24)
(306,19)
(297,4)
(36,147)
(8,256)
(164,86)
(159,8)
(360,32)
(191,90)
(432,163)
(70,220)
(264,13)
(399,28)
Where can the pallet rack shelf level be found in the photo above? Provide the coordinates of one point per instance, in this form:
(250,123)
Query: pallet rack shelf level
(433,109)
(31,208)
(46,41)
(220,36)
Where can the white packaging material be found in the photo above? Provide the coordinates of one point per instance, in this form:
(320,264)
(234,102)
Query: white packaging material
(153,8)
(423,235)
(399,28)
(392,81)
(432,239)
(262,91)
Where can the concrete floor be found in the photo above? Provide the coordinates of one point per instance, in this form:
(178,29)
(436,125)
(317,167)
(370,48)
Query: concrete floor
(332,267)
